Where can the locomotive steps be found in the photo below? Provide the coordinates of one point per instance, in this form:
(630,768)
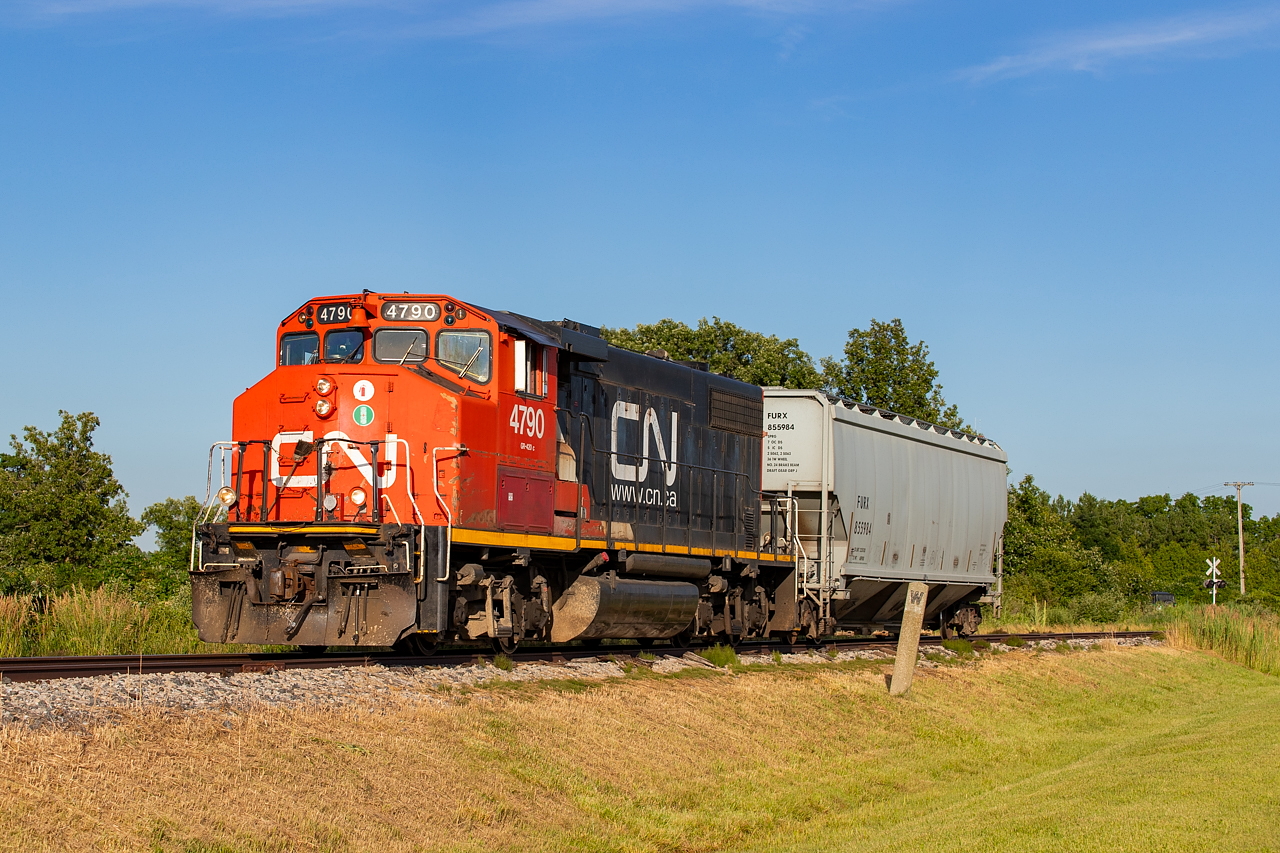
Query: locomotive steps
(1080,751)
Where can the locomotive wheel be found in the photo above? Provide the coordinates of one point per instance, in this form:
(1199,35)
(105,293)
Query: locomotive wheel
(417,644)
(506,645)
(684,639)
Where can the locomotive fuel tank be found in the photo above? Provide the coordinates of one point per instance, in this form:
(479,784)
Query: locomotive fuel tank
(609,607)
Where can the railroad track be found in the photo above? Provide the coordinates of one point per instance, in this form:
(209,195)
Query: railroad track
(42,668)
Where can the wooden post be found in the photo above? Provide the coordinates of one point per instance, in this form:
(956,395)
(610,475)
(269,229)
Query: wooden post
(904,666)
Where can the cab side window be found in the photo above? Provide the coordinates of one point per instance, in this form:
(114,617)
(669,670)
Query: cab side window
(302,348)
(530,368)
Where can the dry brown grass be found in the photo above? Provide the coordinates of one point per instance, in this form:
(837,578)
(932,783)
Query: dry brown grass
(701,762)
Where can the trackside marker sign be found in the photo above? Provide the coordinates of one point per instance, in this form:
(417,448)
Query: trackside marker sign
(363,415)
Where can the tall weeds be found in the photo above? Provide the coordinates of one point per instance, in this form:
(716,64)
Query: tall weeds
(93,623)
(1250,639)
(15,616)
(1089,612)
(99,622)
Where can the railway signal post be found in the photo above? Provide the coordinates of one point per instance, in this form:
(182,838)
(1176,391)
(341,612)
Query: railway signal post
(1214,583)
(904,665)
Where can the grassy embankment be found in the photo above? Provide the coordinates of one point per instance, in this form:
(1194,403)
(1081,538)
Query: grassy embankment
(1114,750)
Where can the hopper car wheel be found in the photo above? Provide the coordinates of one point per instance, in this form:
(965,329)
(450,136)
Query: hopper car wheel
(506,645)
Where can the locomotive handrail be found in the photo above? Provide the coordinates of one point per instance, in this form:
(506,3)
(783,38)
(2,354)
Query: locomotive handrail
(789,523)
(408,484)
(419,574)
(448,515)
(203,516)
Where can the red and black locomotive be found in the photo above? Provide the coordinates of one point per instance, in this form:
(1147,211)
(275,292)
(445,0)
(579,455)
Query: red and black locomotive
(417,469)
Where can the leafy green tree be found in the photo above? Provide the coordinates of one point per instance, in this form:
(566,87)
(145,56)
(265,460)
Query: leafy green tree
(725,348)
(1158,542)
(883,367)
(174,520)
(64,513)
(1043,560)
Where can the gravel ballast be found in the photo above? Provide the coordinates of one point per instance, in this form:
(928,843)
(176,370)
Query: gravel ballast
(102,699)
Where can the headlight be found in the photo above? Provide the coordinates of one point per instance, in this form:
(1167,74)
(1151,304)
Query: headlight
(358,496)
(227,496)
(324,408)
(324,386)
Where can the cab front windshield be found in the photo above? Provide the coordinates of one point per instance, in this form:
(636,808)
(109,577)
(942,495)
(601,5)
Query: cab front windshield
(303,348)
(344,346)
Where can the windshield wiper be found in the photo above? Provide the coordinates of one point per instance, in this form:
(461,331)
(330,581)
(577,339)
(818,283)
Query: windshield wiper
(474,356)
(407,352)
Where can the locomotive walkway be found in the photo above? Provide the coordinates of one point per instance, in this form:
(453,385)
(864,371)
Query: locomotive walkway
(44,668)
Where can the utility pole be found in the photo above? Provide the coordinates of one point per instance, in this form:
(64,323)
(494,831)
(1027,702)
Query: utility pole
(1240,527)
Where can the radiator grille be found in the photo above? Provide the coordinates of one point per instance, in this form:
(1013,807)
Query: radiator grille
(736,413)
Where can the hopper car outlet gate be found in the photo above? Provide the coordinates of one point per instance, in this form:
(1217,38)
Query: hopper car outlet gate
(417,469)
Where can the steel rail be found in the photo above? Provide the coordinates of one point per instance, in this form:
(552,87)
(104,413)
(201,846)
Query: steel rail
(45,668)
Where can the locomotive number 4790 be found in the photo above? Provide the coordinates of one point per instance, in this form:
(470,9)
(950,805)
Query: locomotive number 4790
(526,420)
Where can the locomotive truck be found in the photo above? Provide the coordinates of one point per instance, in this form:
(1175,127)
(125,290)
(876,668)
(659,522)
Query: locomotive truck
(417,470)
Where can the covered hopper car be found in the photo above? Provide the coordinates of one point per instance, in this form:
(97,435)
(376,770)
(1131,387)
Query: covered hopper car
(417,469)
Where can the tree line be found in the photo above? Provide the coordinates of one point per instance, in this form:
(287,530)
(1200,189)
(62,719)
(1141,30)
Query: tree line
(879,365)
(1057,550)
(65,523)
(64,520)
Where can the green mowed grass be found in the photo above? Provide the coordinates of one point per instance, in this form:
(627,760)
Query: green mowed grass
(1157,753)
(1090,751)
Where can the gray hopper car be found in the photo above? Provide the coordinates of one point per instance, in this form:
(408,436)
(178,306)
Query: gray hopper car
(877,500)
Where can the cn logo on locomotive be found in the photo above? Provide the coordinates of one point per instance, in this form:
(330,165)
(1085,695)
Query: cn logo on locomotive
(341,440)
(623,410)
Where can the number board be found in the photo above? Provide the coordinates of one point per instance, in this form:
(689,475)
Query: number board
(411,311)
(330,314)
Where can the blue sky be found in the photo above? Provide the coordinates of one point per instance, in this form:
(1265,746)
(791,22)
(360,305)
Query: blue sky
(1074,205)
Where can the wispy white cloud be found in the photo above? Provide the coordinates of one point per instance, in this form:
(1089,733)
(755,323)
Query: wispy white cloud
(70,8)
(445,16)
(520,14)
(791,39)
(452,18)
(1095,50)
